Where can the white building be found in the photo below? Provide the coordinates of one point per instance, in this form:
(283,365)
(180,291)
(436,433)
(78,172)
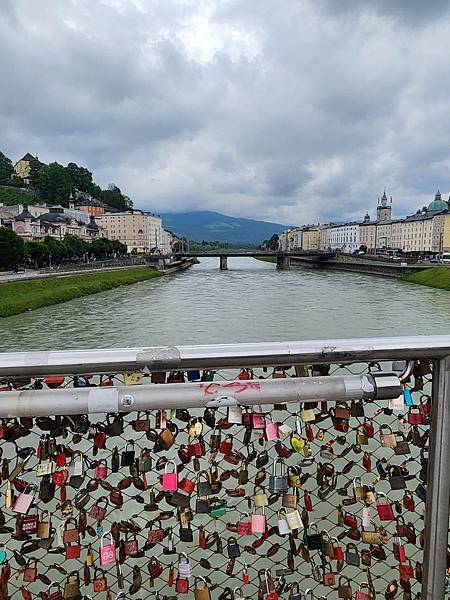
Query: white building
(343,237)
(141,231)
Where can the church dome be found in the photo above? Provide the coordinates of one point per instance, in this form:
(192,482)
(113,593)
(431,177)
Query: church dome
(438,203)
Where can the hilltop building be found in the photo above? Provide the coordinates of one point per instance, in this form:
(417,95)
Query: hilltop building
(22,167)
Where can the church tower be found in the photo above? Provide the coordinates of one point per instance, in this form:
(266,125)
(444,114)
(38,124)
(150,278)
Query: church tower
(384,210)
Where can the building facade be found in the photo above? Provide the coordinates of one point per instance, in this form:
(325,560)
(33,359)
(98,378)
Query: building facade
(310,238)
(22,167)
(384,208)
(139,230)
(344,237)
(368,233)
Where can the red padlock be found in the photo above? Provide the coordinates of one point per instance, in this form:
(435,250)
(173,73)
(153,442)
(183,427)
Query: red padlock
(245,374)
(415,417)
(367,462)
(226,446)
(308,502)
(408,501)
(187,485)
(309,432)
(399,550)
(338,553)
(196,447)
(182,585)
(259,420)
(369,429)
(384,508)
(350,521)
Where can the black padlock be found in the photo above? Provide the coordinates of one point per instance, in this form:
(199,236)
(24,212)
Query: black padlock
(128,455)
(396,478)
(186,533)
(233,548)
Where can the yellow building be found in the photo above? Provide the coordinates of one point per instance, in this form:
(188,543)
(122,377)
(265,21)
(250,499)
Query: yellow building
(311,238)
(446,234)
(141,231)
(368,233)
(417,233)
(22,167)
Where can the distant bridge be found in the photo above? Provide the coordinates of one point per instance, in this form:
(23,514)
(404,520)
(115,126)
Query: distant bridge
(283,258)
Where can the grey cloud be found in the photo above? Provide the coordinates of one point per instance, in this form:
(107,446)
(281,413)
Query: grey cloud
(295,112)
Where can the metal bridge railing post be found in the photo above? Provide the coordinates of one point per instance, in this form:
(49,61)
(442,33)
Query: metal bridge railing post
(438,487)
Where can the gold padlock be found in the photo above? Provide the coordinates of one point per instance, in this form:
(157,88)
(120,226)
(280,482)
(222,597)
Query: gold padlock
(201,590)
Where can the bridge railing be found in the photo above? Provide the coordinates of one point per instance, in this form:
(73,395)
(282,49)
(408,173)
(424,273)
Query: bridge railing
(358,431)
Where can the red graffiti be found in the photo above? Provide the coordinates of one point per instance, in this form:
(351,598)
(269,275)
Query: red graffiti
(233,388)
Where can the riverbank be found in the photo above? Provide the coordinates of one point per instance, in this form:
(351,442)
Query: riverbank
(437,277)
(19,296)
(270,259)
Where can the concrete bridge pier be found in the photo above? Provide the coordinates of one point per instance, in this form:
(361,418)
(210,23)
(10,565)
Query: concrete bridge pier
(224,263)
(283,263)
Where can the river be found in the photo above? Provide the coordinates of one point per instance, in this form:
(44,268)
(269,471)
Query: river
(249,303)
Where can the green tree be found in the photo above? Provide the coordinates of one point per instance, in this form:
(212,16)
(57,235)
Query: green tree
(81,178)
(113,197)
(12,249)
(55,184)
(272,244)
(6,169)
(76,247)
(35,173)
(55,249)
(37,253)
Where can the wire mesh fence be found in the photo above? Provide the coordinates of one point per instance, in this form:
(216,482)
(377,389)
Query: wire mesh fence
(314,499)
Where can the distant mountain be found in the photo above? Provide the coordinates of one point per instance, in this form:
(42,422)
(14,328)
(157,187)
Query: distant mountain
(211,226)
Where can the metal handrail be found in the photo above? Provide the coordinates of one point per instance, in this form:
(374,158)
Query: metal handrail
(113,360)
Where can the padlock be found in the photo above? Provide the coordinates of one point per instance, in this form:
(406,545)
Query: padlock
(402,446)
(141,424)
(107,551)
(406,571)
(182,585)
(196,447)
(259,498)
(408,501)
(398,549)
(361,594)
(387,439)
(44,468)
(293,474)
(170,480)
(155,568)
(145,461)
(368,428)
(24,500)
(294,520)
(30,522)
(97,511)
(294,593)
(307,415)
(30,571)
(203,484)
(359,490)
(278,483)
(187,485)
(70,534)
(201,590)
(184,566)
(361,437)
(290,500)
(99,582)
(56,595)
(186,534)
(155,535)
(328,578)
(396,478)
(73,550)
(258,420)
(258,522)
(226,446)
(313,540)
(233,549)
(44,526)
(283,527)
(101,470)
(244,525)
(384,507)
(338,553)
(326,544)
(234,415)
(352,555)
(271,431)
(415,416)
(344,588)
(72,586)
(128,455)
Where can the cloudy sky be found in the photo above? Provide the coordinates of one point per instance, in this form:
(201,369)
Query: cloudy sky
(295,111)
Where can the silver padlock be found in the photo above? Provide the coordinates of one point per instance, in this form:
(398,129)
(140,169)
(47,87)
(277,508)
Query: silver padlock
(278,484)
